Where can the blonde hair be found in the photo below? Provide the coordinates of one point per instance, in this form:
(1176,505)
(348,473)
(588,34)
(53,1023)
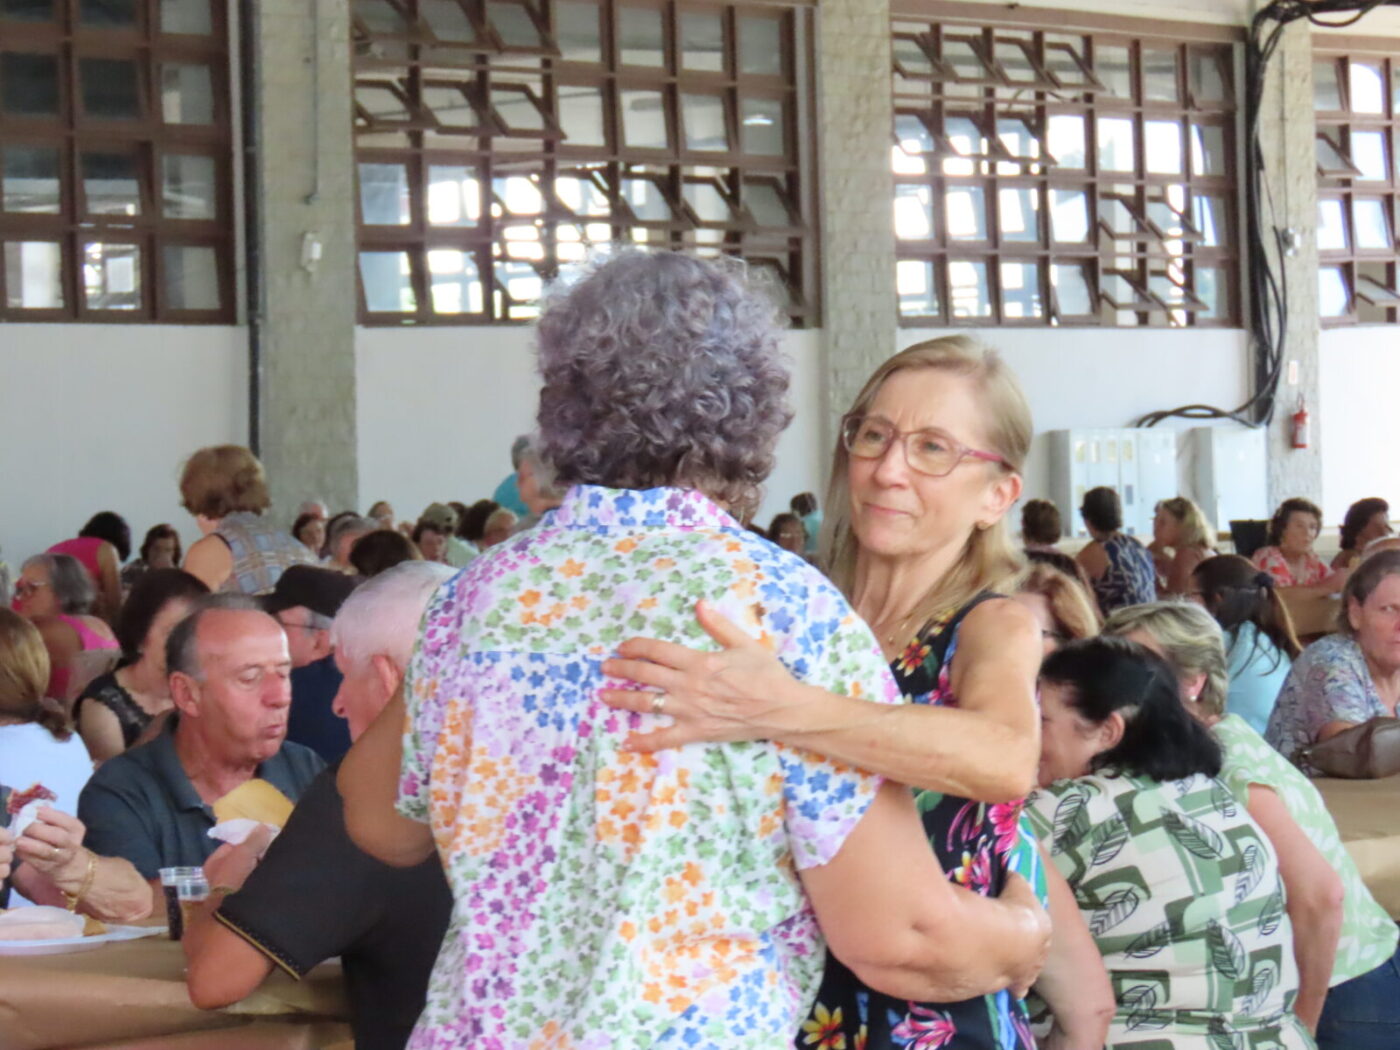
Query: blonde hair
(1195,529)
(1073,612)
(1190,638)
(24,676)
(223,479)
(989,560)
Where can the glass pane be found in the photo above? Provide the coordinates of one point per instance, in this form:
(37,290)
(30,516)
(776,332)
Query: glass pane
(112,276)
(1071,290)
(969,290)
(1329,160)
(918,292)
(1114,70)
(186,94)
(1373,285)
(1368,154)
(1209,217)
(760,46)
(1164,216)
(187,187)
(448,21)
(388,283)
(382,103)
(966,62)
(1062,60)
(29,84)
(576,31)
(1164,152)
(1014,61)
(646,200)
(384,197)
(966,212)
(704,122)
(763,131)
(1020,291)
(1367,88)
(639,41)
(708,203)
(191,277)
(1159,75)
(580,114)
(643,119)
(1327,92)
(119,14)
(27,10)
(1331,226)
(1069,215)
(1333,298)
(31,179)
(1207,76)
(1369,222)
(33,275)
(379,16)
(513,24)
(111,184)
(1018,212)
(447,104)
(1065,132)
(911,57)
(913,212)
(519,195)
(521,283)
(582,197)
(1208,149)
(517,109)
(110,88)
(456,284)
(1212,287)
(766,204)
(702,41)
(186,16)
(1116,144)
(454,195)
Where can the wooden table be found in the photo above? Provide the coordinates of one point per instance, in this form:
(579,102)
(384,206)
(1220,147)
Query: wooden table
(131,995)
(1367,813)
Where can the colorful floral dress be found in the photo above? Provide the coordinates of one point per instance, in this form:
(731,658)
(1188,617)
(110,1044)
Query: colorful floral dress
(605,899)
(978,845)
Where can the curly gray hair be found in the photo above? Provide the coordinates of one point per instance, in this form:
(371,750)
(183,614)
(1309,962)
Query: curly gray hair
(662,369)
(70,584)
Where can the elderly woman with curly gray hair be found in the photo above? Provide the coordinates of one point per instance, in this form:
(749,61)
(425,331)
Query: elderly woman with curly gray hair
(606,896)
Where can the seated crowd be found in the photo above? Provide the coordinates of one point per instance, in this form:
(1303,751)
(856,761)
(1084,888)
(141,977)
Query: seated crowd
(600,761)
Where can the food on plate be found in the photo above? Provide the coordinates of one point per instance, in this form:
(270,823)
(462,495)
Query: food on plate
(93,927)
(33,793)
(40,923)
(254,800)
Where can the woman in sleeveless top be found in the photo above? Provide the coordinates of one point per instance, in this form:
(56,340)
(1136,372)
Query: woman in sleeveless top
(1119,567)
(115,709)
(927,466)
(102,545)
(225,489)
(55,593)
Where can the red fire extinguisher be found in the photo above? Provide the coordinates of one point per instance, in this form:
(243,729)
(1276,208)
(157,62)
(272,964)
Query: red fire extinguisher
(1300,426)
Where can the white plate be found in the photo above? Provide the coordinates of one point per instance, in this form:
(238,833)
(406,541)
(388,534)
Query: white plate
(64,945)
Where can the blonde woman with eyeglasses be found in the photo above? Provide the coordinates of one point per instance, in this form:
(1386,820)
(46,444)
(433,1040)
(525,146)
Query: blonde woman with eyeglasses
(927,464)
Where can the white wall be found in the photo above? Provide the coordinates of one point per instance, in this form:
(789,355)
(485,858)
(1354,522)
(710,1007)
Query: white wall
(101,417)
(1360,427)
(1105,377)
(439,408)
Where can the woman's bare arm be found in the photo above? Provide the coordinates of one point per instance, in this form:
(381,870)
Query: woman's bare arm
(1074,983)
(100,730)
(986,748)
(210,560)
(369,785)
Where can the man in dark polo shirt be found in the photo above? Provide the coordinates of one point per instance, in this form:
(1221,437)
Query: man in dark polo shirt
(305,602)
(315,895)
(229,670)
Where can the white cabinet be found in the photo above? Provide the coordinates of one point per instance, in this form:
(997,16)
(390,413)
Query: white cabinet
(1139,464)
(1227,473)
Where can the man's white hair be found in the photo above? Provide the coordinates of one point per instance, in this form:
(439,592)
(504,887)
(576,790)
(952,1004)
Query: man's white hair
(381,616)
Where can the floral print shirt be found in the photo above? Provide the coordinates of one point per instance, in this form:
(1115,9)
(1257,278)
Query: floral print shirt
(1329,682)
(1272,561)
(609,899)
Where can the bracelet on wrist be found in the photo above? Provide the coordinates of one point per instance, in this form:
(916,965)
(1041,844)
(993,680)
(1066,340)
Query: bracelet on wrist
(74,899)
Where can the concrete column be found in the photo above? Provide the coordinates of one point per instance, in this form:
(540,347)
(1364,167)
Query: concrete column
(305,182)
(855,118)
(1286,132)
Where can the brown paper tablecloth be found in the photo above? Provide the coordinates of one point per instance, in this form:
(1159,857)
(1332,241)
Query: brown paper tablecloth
(1367,813)
(131,994)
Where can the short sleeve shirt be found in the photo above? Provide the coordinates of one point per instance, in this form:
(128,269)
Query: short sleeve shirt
(315,895)
(1181,892)
(1368,933)
(1272,561)
(606,898)
(141,805)
(1329,682)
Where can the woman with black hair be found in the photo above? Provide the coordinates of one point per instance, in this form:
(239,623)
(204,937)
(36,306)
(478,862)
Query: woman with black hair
(125,701)
(101,547)
(1259,640)
(1180,888)
(159,550)
(1366,520)
(1120,568)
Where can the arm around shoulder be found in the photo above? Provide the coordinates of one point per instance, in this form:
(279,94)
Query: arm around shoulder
(369,783)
